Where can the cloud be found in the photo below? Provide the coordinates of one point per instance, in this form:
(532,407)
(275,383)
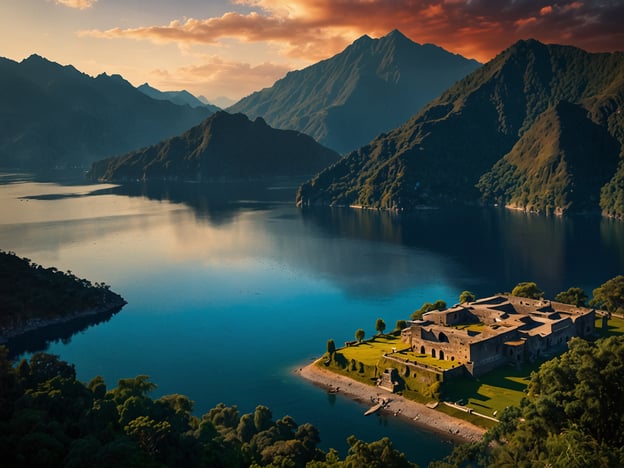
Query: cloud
(315,29)
(79,4)
(215,76)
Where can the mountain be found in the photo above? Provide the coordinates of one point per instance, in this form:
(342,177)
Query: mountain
(56,116)
(223,147)
(180,98)
(372,86)
(532,105)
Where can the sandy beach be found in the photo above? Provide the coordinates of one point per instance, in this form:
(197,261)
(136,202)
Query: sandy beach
(417,413)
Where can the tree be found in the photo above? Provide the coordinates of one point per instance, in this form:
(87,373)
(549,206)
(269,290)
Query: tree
(331,347)
(527,289)
(400,325)
(467,296)
(376,454)
(573,296)
(610,295)
(380,326)
(359,335)
(428,307)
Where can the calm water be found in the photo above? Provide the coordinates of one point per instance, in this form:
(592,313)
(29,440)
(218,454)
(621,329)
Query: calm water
(230,287)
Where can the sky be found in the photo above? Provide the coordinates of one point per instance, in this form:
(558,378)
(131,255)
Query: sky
(234,47)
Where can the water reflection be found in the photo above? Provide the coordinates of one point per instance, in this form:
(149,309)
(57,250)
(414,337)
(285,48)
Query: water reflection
(39,340)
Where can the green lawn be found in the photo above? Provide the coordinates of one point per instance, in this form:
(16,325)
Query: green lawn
(369,352)
(616,326)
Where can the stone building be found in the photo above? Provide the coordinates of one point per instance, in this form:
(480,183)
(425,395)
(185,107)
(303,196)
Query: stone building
(490,332)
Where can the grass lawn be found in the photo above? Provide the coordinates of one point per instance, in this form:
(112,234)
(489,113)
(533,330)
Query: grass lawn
(494,391)
(369,352)
(616,327)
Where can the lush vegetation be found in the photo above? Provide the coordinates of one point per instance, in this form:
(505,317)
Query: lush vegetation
(572,414)
(539,127)
(223,147)
(549,169)
(428,307)
(527,289)
(48,418)
(29,291)
(610,295)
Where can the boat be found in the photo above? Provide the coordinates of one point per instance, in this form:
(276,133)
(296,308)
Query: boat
(382,403)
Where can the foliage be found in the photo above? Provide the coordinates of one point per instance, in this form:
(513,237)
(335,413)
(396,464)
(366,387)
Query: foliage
(467,296)
(548,170)
(612,195)
(29,291)
(527,289)
(572,414)
(573,296)
(400,325)
(610,295)
(331,347)
(380,326)
(48,418)
(359,334)
(428,307)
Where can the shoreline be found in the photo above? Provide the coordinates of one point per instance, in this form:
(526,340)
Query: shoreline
(415,413)
(36,324)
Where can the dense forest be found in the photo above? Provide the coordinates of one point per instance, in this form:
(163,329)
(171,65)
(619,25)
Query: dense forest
(48,418)
(31,292)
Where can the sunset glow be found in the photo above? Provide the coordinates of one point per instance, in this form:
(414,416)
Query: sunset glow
(235,47)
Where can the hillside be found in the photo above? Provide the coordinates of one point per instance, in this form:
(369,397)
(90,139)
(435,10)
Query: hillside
(180,98)
(559,163)
(223,147)
(372,86)
(440,155)
(55,116)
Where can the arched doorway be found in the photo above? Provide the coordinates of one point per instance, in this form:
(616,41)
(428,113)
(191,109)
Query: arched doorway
(433,352)
(441,355)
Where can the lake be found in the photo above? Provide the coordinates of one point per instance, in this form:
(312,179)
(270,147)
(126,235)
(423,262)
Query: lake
(230,287)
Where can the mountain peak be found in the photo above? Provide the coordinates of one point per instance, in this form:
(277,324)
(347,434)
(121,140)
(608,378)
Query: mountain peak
(371,87)
(395,34)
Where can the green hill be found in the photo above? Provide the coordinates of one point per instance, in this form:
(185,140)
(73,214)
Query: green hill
(372,86)
(223,147)
(440,155)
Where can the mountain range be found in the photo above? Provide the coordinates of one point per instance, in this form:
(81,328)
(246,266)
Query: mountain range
(223,147)
(539,127)
(180,98)
(373,86)
(56,116)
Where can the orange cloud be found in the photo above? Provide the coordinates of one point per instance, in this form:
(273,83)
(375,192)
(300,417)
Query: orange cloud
(524,21)
(218,77)
(315,29)
(79,4)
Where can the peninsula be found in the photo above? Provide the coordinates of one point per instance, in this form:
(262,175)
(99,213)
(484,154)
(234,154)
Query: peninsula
(33,297)
(422,370)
